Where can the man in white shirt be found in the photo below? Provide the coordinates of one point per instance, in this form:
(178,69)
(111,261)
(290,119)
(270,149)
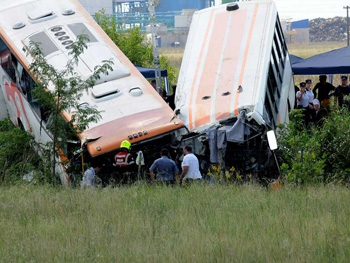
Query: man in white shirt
(302,96)
(190,166)
(303,102)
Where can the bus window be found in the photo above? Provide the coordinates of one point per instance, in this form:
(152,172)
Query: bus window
(7,64)
(27,85)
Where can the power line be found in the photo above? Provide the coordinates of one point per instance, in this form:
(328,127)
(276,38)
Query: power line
(347,22)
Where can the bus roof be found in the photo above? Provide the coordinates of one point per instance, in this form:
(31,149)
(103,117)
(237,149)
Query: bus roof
(225,63)
(128,103)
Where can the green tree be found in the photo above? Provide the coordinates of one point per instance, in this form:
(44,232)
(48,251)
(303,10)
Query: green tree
(334,140)
(302,159)
(316,154)
(68,87)
(133,44)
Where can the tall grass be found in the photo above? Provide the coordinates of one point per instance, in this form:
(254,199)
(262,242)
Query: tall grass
(161,224)
(305,50)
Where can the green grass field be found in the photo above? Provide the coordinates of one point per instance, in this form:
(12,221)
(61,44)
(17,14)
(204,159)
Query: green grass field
(160,224)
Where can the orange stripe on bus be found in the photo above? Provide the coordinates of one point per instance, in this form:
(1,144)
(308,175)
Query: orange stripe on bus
(229,65)
(192,107)
(207,79)
(245,57)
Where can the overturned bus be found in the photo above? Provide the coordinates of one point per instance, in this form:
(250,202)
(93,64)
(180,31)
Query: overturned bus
(129,106)
(235,84)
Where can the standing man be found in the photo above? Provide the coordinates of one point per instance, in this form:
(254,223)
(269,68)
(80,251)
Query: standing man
(303,102)
(124,158)
(154,84)
(161,91)
(190,166)
(302,97)
(124,161)
(342,90)
(89,175)
(324,89)
(310,109)
(309,92)
(166,169)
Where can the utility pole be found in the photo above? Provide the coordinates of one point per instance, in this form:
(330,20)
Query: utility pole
(156,61)
(347,22)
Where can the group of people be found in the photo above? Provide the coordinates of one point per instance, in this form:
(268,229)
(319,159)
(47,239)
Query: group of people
(163,169)
(316,102)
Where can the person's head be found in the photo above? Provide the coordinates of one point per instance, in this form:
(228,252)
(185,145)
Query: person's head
(322,78)
(316,104)
(344,80)
(308,83)
(154,83)
(187,149)
(125,145)
(302,86)
(164,152)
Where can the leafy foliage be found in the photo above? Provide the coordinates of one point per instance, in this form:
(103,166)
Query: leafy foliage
(17,154)
(59,92)
(133,44)
(317,154)
(334,138)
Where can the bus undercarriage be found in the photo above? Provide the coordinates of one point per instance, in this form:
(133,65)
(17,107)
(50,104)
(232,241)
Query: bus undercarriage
(234,150)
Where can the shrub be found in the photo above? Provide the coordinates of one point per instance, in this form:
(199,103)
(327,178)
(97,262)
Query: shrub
(316,154)
(17,155)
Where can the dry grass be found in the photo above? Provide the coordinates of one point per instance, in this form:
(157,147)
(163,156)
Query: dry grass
(300,50)
(313,48)
(174,55)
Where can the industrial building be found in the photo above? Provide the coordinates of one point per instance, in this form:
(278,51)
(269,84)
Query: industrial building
(173,17)
(296,31)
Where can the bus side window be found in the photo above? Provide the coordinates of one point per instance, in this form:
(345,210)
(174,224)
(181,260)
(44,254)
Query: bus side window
(44,113)
(5,56)
(13,68)
(27,85)
(6,63)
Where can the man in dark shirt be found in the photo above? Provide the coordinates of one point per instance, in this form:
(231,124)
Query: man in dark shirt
(171,98)
(342,90)
(166,169)
(324,89)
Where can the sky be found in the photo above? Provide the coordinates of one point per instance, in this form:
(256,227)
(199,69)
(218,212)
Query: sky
(310,9)
(303,9)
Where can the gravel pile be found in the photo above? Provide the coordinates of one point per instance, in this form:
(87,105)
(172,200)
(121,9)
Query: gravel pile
(330,29)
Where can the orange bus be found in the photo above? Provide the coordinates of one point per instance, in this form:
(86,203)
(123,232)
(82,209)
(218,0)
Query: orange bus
(130,108)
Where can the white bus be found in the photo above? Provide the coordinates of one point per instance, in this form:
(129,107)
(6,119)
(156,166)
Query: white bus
(130,108)
(235,84)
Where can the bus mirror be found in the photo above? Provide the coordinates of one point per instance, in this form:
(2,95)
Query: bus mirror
(271,138)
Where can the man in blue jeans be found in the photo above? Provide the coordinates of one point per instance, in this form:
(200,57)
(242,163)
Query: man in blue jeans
(165,168)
